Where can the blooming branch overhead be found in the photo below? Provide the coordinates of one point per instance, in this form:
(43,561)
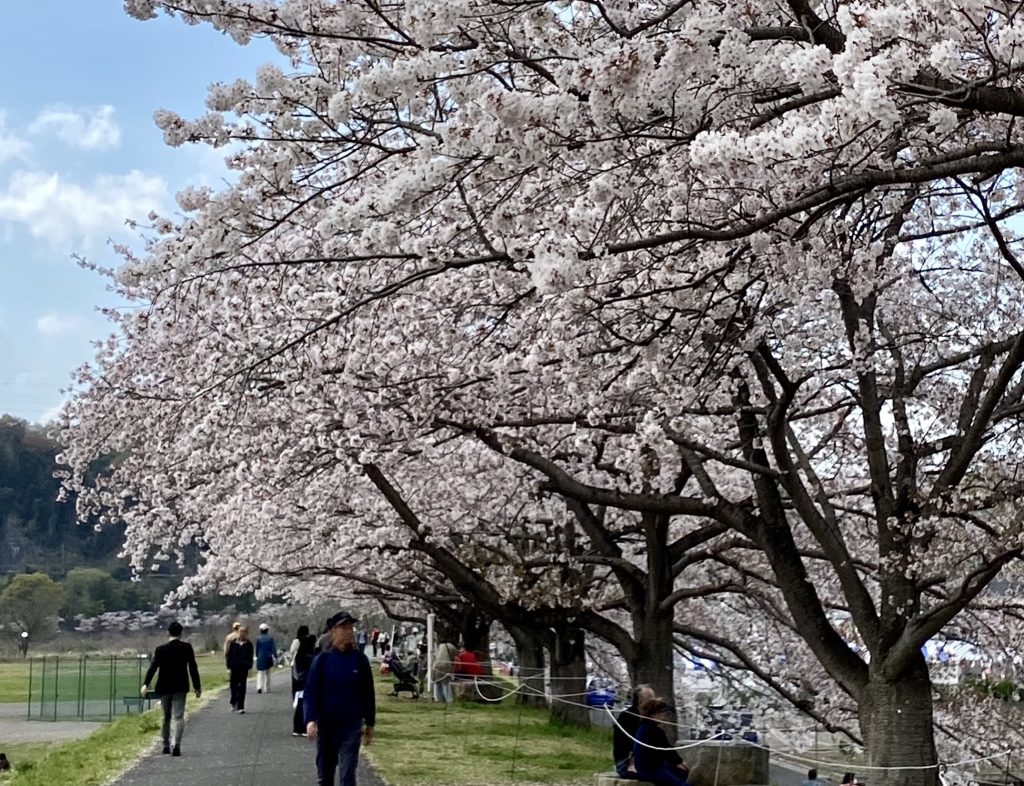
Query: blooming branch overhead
(735,283)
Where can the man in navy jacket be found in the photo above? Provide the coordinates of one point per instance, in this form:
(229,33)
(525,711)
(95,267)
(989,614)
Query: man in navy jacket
(339,703)
(176,662)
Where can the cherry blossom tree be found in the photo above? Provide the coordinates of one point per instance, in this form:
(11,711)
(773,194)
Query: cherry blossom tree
(744,266)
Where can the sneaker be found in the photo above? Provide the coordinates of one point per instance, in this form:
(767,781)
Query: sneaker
(259,690)
(296,734)
(167,748)
(241,712)
(175,751)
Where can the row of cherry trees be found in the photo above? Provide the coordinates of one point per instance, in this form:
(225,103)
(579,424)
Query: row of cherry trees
(674,321)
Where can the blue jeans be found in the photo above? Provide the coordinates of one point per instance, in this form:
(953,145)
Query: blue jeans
(337,750)
(174,709)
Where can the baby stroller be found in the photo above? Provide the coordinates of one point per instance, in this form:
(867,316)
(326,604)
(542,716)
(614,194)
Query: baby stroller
(405,678)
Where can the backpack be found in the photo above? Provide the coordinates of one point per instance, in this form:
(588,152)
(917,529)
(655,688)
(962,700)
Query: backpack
(300,667)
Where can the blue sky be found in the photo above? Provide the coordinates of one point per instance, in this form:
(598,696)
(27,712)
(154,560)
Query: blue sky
(79,154)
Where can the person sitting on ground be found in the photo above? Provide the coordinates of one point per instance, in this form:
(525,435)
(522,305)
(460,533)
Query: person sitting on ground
(848,777)
(653,757)
(813,779)
(624,731)
(466,666)
(5,763)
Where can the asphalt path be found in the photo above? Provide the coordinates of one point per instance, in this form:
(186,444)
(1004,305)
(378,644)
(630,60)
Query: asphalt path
(14,727)
(221,748)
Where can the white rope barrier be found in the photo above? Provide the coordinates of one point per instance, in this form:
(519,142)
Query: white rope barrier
(831,764)
(526,689)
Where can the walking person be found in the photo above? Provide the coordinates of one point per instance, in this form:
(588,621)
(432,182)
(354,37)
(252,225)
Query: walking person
(374,639)
(176,662)
(339,703)
(231,636)
(300,671)
(300,634)
(361,640)
(441,673)
(239,662)
(266,654)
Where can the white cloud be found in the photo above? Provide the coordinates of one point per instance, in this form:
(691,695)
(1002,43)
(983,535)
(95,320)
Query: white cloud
(11,147)
(88,129)
(54,324)
(60,210)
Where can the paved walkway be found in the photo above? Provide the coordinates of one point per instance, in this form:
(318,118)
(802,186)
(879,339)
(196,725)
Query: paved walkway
(223,749)
(14,727)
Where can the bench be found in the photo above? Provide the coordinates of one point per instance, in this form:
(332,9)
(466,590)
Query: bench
(135,702)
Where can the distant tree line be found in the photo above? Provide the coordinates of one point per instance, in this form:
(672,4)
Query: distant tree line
(38,533)
(50,565)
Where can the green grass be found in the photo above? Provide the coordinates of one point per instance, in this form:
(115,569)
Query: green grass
(417,743)
(14,681)
(26,754)
(100,757)
(464,744)
(91,761)
(14,677)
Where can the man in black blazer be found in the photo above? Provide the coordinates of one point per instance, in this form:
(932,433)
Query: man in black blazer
(176,662)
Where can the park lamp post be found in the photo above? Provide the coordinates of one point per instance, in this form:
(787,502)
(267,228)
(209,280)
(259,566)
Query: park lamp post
(23,644)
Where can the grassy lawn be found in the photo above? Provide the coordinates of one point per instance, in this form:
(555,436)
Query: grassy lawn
(465,744)
(14,677)
(418,743)
(88,762)
(98,758)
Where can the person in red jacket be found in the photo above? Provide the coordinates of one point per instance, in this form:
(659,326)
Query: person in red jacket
(466,665)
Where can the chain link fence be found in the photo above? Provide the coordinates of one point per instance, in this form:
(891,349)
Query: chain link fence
(85,688)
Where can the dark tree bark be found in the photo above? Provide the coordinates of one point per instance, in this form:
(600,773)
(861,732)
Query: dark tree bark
(530,657)
(896,723)
(569,677)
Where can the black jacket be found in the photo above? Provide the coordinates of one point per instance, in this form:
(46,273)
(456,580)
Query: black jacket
(627,723)
(176,662)
(240,656)
(649,759)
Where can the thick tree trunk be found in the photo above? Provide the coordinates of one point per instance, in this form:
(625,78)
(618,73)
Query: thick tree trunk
(569,678)
(530,659)
(476,633)
(896,723)
(653,661)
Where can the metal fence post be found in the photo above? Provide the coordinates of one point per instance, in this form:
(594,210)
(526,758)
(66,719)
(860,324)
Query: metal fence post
(56,685)
(80,691)
(42,691)
(113,682)
(30,663)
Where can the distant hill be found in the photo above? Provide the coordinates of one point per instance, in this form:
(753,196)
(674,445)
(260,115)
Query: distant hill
(37,533)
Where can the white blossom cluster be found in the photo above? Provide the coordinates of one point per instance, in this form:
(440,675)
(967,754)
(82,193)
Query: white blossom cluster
(739,278)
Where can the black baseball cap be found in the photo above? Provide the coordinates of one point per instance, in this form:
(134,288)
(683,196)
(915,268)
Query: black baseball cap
(341,618)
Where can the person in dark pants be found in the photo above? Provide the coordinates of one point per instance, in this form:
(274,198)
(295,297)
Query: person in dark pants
(626,724)
(300,670)
(176,663)
(339,703)
(239,662)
